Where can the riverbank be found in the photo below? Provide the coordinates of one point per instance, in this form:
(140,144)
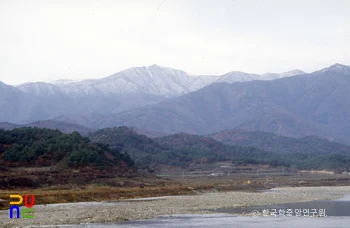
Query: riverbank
(117,211)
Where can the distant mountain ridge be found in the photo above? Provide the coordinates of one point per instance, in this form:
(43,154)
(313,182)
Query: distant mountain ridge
(278,143)
(155,80)
(82,102)
(50,124)
(303,105)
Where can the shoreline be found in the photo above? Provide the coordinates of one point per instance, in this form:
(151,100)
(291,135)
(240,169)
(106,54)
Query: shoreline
(126,210)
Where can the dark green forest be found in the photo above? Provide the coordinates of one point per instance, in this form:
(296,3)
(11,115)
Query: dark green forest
(44,147)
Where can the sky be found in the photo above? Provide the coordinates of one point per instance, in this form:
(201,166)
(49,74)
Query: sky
(44,40)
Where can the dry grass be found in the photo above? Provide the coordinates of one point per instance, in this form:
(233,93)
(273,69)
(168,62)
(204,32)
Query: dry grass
(67,193)
(92,193)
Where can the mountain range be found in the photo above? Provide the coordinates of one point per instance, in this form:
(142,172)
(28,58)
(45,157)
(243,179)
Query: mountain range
(298,106)
(165,100)
(84,102)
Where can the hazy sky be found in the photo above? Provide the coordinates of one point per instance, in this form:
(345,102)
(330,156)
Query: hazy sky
(48,40)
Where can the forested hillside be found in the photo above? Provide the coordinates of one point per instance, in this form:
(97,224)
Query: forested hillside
(180,149)
(35,147)
(322,158)
(122,146)
(185,149)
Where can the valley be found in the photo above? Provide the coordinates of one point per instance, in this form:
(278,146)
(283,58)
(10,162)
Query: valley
(174,114)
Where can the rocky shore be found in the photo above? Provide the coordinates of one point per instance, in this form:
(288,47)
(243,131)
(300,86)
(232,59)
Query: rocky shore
(118,211)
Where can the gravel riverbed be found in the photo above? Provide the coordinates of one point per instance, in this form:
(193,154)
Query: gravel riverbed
(106,212)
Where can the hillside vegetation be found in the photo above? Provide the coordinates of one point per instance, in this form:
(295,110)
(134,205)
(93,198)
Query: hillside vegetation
(180,149)
(35,147)
(185,149)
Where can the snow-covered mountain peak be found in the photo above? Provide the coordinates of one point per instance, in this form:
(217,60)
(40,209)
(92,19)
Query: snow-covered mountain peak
(292,73)
(272,76)
(339,68)
(39,88)
(336,68)
(153,80)
(65,81)
(237,76)
(156,66)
